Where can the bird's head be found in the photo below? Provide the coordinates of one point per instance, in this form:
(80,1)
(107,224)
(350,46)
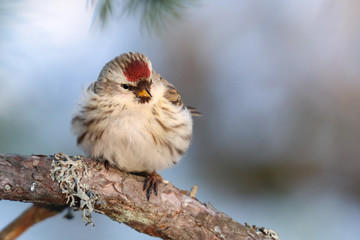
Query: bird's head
(128,75)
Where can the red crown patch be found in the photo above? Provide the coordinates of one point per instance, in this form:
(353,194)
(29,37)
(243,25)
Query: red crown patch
(136,70)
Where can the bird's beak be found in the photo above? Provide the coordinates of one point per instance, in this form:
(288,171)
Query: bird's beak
(144,93)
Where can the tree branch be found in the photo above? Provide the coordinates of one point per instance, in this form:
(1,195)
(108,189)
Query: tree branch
(119,195)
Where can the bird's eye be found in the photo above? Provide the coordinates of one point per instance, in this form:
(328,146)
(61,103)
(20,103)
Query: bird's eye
(125,86)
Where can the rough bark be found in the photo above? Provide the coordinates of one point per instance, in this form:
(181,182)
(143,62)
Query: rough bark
(169,215)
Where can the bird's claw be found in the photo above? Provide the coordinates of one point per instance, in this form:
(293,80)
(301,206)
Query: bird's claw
(151,183)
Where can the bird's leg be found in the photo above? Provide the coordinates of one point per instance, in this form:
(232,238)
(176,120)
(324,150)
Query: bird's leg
(151,183)
(104,161)
(106,164)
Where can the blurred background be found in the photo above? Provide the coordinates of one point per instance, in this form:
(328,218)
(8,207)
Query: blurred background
(278,83)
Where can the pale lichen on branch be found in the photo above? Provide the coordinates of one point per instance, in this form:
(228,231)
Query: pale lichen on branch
(261,230)
(69,173)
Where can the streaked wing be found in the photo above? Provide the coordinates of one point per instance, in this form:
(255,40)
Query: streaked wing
(173,95)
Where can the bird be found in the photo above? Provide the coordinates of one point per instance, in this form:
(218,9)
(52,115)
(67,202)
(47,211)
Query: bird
(133,119)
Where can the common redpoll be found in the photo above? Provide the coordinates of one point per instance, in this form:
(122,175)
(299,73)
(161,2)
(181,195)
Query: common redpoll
(134,119)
